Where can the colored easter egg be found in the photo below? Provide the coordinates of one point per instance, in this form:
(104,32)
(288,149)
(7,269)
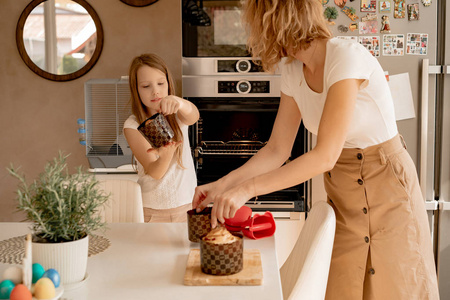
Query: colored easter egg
(38,271)
(20,292)
(44,289)
(53,275)
(14,274)
(6,286)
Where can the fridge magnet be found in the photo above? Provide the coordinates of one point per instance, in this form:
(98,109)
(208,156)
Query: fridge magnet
(399,9)
(385,26)
(340,3)
(417,43)
(393,44)
(368,24)
(324,2)
(368,5)
(353,26)
(342,28)
(371,43)
(331,13)
(350,12)
(349,38)
(369,17)
(425,2)
(413,11)
(384,6)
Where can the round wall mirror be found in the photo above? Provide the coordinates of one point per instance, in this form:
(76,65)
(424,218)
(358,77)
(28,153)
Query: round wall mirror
(139,3)
(59,40)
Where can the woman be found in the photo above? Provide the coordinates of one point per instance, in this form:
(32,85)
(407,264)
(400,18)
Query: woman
(382,247)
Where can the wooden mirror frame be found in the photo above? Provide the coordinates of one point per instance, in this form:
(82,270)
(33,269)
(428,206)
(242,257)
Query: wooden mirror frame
(55,77)
(138,3)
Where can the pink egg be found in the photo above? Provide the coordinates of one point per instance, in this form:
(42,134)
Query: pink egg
(20,292)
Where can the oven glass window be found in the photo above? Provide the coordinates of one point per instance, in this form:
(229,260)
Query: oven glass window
(225,37)
(228,126)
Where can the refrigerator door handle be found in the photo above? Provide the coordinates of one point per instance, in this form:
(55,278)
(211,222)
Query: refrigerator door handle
(446,69)
(424,127)
(426,71)
(435,69)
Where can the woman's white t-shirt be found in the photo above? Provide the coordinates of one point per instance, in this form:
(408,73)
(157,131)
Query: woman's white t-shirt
(177,186)
(373,120)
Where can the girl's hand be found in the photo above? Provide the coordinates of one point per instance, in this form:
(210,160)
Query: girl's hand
(225,202)
(170,105)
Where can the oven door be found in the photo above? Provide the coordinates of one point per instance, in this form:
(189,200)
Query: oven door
(229,132)
(225,37)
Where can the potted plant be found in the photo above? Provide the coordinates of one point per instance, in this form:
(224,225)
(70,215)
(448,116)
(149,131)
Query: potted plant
(64,209)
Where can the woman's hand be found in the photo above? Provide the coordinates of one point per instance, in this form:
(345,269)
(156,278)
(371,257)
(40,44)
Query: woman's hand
(170,105)
(225,201)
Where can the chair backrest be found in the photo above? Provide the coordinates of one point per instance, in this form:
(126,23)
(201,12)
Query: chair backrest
(304,275)
(125,202)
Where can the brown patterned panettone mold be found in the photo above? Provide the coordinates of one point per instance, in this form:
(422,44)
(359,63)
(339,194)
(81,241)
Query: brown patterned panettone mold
(222,258)
(199,224)
(156,130)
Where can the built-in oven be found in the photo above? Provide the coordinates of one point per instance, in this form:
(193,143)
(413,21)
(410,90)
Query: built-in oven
(237,113)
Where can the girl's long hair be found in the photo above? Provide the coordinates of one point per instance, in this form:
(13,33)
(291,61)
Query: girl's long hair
(139,110)
(275,26)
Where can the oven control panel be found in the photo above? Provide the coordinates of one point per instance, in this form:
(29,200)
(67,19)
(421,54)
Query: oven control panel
(238,65)
(243,87)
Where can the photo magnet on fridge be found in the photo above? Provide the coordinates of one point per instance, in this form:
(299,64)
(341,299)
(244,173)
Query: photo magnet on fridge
(399,9)
(340,3)
(426,3)
(368,5)
(384,6)
(371,43)
(393,44)
(413,11)
(385,26)
(350,12)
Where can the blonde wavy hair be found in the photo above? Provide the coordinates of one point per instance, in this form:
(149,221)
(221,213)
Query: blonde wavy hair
(276,26)
(139,110)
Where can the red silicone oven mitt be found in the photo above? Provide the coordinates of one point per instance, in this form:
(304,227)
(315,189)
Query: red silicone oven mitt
(256,227)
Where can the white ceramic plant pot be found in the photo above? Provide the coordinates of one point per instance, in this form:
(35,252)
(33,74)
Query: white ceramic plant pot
(68,258)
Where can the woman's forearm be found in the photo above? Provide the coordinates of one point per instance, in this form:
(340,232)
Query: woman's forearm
(266,160)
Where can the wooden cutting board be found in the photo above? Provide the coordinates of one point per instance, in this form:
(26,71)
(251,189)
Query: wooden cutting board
(251,273)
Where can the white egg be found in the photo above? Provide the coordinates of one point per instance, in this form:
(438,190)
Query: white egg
(14,274)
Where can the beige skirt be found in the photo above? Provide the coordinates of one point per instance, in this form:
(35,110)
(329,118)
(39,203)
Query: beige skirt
(172,215)
(382,248)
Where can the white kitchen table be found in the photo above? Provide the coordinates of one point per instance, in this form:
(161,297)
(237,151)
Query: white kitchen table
(148,261)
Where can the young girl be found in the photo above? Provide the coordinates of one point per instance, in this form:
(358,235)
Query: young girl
(382,248)
(166,175)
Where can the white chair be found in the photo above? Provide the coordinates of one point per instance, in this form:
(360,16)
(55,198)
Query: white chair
(125,202)
(304,275)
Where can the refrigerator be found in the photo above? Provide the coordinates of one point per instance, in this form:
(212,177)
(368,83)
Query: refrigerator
(426,31)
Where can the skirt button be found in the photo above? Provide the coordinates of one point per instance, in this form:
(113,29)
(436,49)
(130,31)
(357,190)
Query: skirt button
(360,181)
(371,271)
(365,210)
(359,156)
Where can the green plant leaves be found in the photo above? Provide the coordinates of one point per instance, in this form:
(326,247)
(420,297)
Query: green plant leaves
(62,206)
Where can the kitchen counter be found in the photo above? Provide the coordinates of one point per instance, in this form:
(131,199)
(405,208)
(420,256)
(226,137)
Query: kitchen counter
(148,261)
